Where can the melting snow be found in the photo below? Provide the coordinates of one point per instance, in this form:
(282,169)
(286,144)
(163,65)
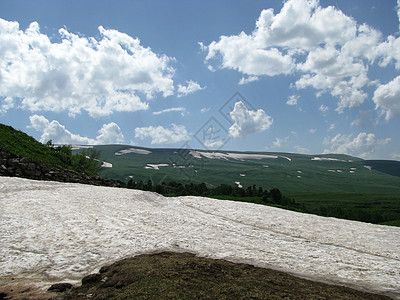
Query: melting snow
(155,166)
(368,167)
(226,156)
(132,150)
(328,159)
(106,164)
(52,232)
(238,184)
(285,157)
(78,147)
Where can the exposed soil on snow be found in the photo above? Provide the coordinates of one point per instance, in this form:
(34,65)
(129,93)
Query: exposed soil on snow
(169,275)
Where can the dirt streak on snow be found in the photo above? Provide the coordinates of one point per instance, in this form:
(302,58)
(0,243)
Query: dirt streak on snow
(52,232)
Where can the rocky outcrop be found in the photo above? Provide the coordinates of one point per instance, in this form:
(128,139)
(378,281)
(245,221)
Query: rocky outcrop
(18,166)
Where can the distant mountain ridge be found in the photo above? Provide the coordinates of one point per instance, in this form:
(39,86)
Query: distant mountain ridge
(290,172)
(391,167)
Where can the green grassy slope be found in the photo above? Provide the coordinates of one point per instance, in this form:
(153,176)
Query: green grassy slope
(386,166)
(24,145)
(291,173)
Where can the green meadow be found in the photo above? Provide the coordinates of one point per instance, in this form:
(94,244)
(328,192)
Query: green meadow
(330,185)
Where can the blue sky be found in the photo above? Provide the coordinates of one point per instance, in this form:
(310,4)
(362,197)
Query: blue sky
(280,76)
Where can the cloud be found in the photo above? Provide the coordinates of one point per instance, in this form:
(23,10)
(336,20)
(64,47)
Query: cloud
(172,109)
(244,81)
(300,149)
(248,121)
(362,145)
(323,108)
(292,100)
(214,143)
(279,142)
(109,134)
(387,99)
(205,109)
(190,88)
(326,48)
(161,135)
(312,130)
(100,76)
(6,104)
(244,54)
(398,12)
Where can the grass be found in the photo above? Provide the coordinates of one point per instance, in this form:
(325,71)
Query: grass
(169,275)
(347,176)
(20,143)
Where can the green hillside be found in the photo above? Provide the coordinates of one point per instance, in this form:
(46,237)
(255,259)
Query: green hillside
(55,157)
(291,173)
(386,166)
(20,143)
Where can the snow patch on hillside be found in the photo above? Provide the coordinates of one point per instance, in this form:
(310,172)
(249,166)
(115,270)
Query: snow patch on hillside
(52,232)
(329,159)
(235,156)
(132,150)
(79,147)
(155,166)
(105,164)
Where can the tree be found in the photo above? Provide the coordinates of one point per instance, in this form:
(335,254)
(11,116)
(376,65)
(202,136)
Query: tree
(87,161)
(276,195)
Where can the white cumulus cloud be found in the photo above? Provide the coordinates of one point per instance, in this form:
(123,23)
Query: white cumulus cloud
(292,100)
(162,135)
(100,76)
(110,134)
(190,88)
(248,121)
(387,98)
(6,104)
(326,48)
(52,130)
(362,145)
(398,12)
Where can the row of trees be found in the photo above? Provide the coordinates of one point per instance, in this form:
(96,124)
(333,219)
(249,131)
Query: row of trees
(263,196)
(86,161)
(173,188)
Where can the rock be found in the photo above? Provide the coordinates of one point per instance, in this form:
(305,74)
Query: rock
(15,165)
(90,279)
(60,287)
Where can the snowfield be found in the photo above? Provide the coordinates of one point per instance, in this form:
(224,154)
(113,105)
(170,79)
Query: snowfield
(55,232)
